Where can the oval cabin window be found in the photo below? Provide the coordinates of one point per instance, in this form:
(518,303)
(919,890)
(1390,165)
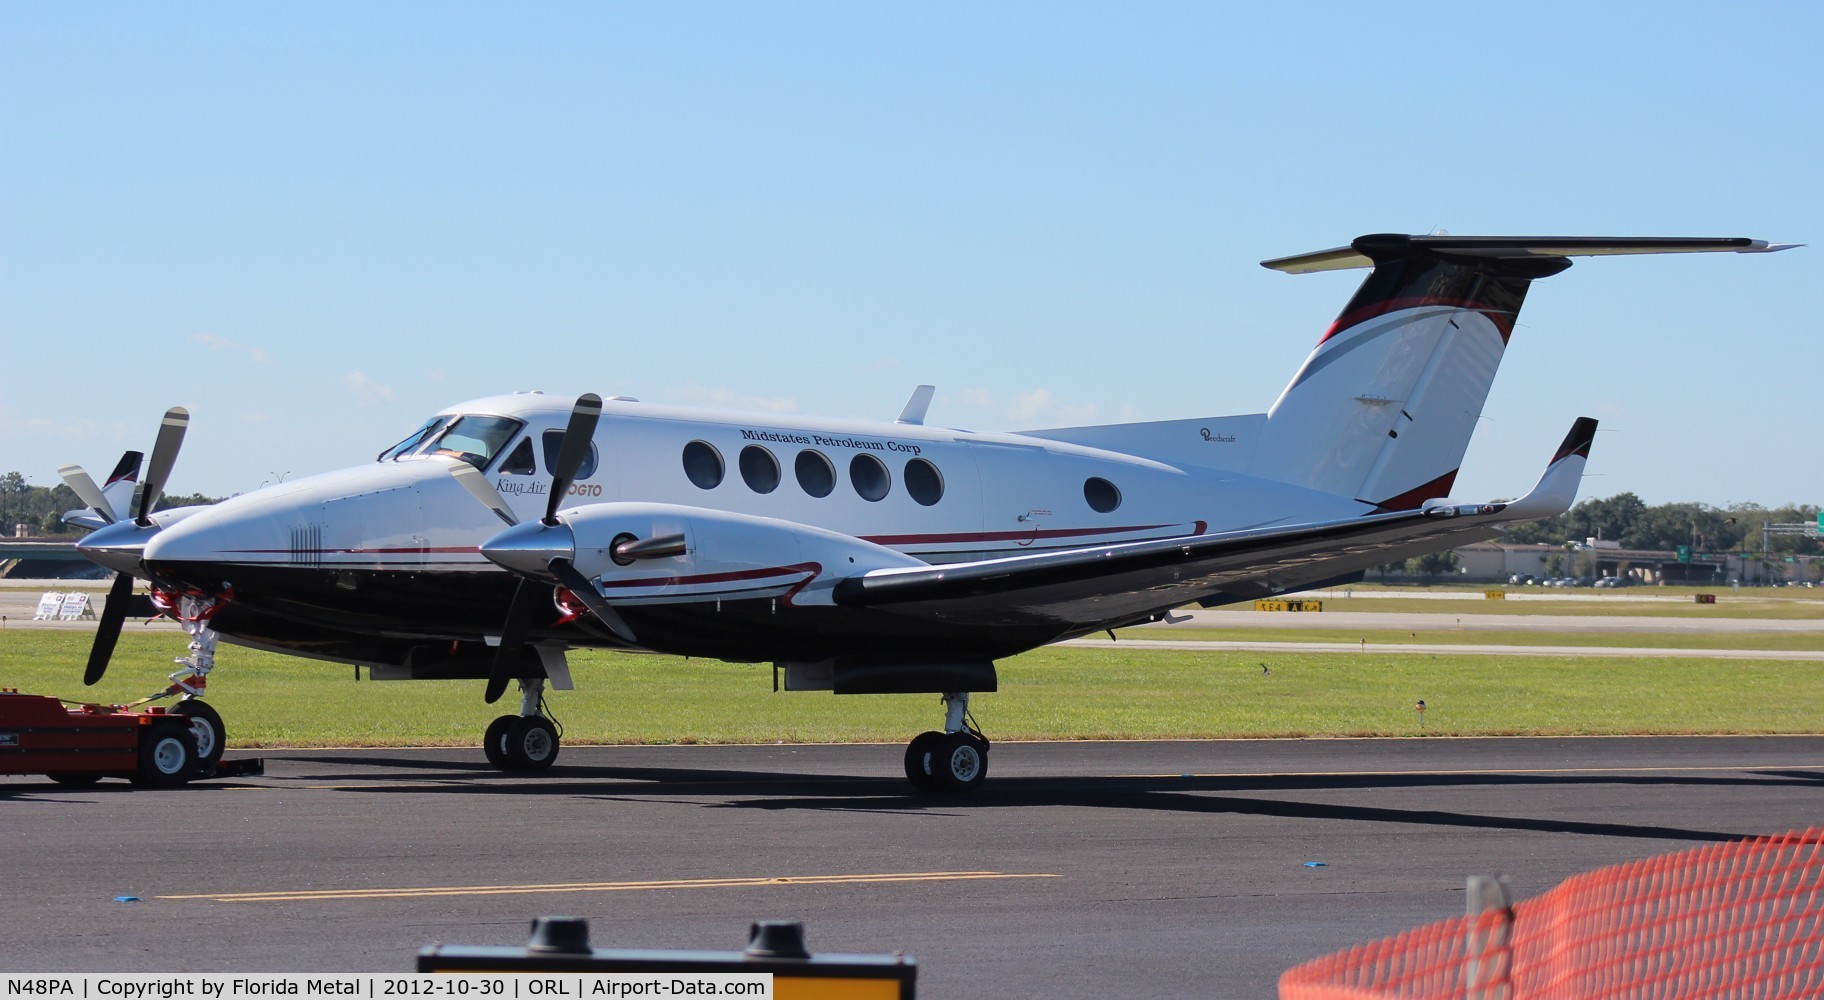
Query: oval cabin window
(759,469)
(923,482)
(869,477)
(703,464)
(1101,494)
(816,475)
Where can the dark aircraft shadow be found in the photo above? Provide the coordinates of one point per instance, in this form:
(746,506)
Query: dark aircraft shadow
(774,791)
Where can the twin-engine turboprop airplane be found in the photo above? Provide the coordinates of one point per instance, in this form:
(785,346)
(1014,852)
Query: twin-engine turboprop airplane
(856,558)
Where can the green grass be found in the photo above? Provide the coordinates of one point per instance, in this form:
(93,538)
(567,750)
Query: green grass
(1481,637)
(1057,693)
(1726,606)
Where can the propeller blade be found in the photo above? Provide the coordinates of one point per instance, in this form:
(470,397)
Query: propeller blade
(107,633)
(570,457)
(85,489)
(578,584)
(657,547)
(512,637)
(164,454)
(478,486)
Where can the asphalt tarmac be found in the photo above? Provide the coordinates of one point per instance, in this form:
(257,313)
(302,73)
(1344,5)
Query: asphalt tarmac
(1154,869)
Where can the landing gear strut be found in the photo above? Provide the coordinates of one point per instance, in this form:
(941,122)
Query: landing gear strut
(193,611)
(528,741)
(955,760)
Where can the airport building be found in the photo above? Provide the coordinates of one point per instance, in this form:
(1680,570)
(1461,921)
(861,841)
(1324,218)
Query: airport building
(1501,562)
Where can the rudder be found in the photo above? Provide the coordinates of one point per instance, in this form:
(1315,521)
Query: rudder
(1383,408)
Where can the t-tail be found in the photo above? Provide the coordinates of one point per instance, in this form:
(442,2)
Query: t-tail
(1383,408)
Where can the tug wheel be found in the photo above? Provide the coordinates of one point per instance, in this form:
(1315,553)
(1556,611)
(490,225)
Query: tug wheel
(167,755)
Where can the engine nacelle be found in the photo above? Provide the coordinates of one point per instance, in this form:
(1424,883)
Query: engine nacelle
(726,556)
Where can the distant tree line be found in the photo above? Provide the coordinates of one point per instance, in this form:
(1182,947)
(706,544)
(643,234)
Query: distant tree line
(40,508)
(1626,519)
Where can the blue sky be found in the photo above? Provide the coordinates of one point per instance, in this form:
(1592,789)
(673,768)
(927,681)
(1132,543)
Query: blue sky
(314,224)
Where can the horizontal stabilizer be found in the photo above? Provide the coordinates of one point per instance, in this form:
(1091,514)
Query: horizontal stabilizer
(1366,250)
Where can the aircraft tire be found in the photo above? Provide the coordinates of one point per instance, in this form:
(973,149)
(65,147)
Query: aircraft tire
(494,741)
(167,755)
(920,756)
(206,724)
(531,743)
(959,762)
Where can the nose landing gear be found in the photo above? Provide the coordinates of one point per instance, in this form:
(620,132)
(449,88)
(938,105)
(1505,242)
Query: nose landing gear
(955,760)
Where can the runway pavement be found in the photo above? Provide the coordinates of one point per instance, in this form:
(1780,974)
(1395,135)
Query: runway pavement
(1163,869)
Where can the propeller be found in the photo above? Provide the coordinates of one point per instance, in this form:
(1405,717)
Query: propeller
(577,436)
(164,455)
(114,614)
(101,512)
(545,545)
(478,486)
(85,489)
(512,636)
(107,631)
(578,584)
(545,550)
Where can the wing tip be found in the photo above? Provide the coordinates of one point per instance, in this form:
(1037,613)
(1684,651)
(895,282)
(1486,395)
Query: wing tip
(1578,442)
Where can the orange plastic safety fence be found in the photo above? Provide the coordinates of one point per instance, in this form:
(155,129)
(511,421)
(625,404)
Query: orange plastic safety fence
(1744,919)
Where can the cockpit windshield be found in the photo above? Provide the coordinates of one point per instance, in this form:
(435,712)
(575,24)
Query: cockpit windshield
(428,429)
(474,438)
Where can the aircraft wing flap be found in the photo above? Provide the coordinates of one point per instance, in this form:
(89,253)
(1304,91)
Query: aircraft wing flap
(1114,583)
(1186,564)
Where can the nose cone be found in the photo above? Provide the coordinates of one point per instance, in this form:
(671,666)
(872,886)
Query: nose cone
(119,546)
(527,549)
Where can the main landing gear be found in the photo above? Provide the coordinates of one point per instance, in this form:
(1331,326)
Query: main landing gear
(955,760)
(528,741)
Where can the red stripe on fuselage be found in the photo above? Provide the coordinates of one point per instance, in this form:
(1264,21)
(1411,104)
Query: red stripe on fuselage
(1007,536)
(409,550)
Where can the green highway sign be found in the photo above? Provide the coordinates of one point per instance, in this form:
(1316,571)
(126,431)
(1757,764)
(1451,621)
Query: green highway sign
(1684,553)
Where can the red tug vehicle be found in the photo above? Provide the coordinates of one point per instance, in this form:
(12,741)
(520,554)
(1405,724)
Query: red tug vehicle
(152,747)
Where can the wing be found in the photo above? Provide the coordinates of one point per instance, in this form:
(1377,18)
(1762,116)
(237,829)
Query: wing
(1086,590)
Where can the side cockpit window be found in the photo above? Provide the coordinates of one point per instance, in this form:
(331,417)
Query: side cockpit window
(554,445)
(519,461)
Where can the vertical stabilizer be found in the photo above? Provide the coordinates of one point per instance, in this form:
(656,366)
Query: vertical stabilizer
(123,481)
(1383,408)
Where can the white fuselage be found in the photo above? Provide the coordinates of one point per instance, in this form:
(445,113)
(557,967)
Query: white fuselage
(989,493)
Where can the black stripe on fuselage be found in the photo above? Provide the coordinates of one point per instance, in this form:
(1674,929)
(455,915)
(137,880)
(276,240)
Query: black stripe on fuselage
(381,616)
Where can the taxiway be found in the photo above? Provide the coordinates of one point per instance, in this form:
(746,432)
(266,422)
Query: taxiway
(1080,870)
